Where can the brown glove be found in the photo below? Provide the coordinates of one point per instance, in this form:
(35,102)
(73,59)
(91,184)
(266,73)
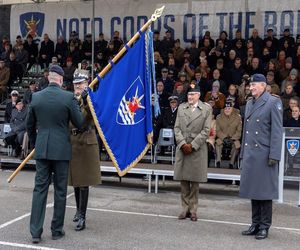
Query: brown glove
(187,148)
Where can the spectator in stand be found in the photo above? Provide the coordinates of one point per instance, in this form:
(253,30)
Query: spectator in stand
(194,52)
(215,54)
(110,51)
(233,96)
(265,57)
(178,54)
(205,38)
(86,49)
(231,59)
(2,44)
(238,38)
(215,95)
(4,79)
(43,82)
(16,70)
(287,113)
(170,113)
(159,64)
(182,77)
(61,49)
(294,121)
(101,44)
(14,95)
(257,42)
(297,40)
(240,50)
(288,49)
(271,82)
(206,45)
(188,68)
(273,65)
(168,82)
(229,132)
(273,50)
(249,57)
(166,44)
(287,95)
(117,42)
(74,54)
(156,41)
(286,38)
(224,38)
(6,52)
(237,72)
(179,92)
(69,70)
(225,74)
(202,83)
(21,56)
(18,42)
(274,41)
(46,52)
(18,128)
(216,77)
(292,78)
(255,67)
(172,67)
(28,93)
(74,39)
(281,59)
(211,140)
(205,69)
(32,49)
(285,71)
(296,58)
(244,97)
(162,95)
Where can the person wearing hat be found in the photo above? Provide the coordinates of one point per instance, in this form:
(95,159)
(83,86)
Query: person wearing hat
(50,112)
(4,78)
(191,132)
(170,113)
(168,82)
(229,131)
(271,81)
(17,125)
(287,37)
(85,162)
(260,155)
(28,93)
(215,94)
(10,105)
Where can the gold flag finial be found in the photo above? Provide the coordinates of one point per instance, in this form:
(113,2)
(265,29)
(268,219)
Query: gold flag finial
(157,13)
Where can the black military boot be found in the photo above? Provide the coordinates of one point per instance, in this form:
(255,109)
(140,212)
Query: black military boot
(77,215)
(83,201)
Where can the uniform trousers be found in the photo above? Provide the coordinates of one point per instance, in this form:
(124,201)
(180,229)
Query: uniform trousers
(189,196)
(261,213)
(44,170)
(233,153)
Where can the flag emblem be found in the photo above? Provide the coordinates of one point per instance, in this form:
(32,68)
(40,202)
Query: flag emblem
(132,106)
(292,146)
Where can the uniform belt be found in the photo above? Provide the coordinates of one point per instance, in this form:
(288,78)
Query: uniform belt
(76,131)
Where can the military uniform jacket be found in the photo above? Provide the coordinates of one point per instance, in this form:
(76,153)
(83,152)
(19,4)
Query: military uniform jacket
(49,115)
(169,118)
(262,139)
(85,163)
(192,127)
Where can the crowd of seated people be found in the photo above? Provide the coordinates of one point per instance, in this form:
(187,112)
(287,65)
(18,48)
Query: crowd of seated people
(221,68)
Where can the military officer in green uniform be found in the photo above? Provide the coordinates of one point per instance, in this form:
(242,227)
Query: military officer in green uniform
(48,119)
(84,168)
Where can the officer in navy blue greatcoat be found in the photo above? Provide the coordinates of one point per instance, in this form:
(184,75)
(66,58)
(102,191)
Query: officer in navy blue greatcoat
(49,115)
(260,155)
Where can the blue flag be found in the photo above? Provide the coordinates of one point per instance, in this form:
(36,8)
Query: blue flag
(121,106)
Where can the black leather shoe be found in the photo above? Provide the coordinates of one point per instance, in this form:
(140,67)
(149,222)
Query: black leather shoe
(76,216)
(58,236)
(80,225)
(252,230)
(36,240)
(262,234)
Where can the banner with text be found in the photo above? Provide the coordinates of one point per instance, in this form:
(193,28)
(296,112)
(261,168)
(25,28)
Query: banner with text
(186,21)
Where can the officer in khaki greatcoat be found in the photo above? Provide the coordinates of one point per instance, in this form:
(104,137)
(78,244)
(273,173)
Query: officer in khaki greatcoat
(85,164)
(191,132)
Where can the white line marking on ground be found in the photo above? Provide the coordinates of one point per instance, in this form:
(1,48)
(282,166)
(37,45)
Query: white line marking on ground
(27,246)
(175,217)
(26,215)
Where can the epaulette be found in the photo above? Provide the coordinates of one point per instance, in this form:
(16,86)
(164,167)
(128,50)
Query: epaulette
(275,95)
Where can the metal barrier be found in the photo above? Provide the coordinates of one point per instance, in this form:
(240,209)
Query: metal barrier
(289,167)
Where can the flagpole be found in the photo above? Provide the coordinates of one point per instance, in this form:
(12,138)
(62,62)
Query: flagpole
(157,13)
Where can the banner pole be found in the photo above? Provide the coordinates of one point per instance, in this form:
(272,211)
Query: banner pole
(157,13)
